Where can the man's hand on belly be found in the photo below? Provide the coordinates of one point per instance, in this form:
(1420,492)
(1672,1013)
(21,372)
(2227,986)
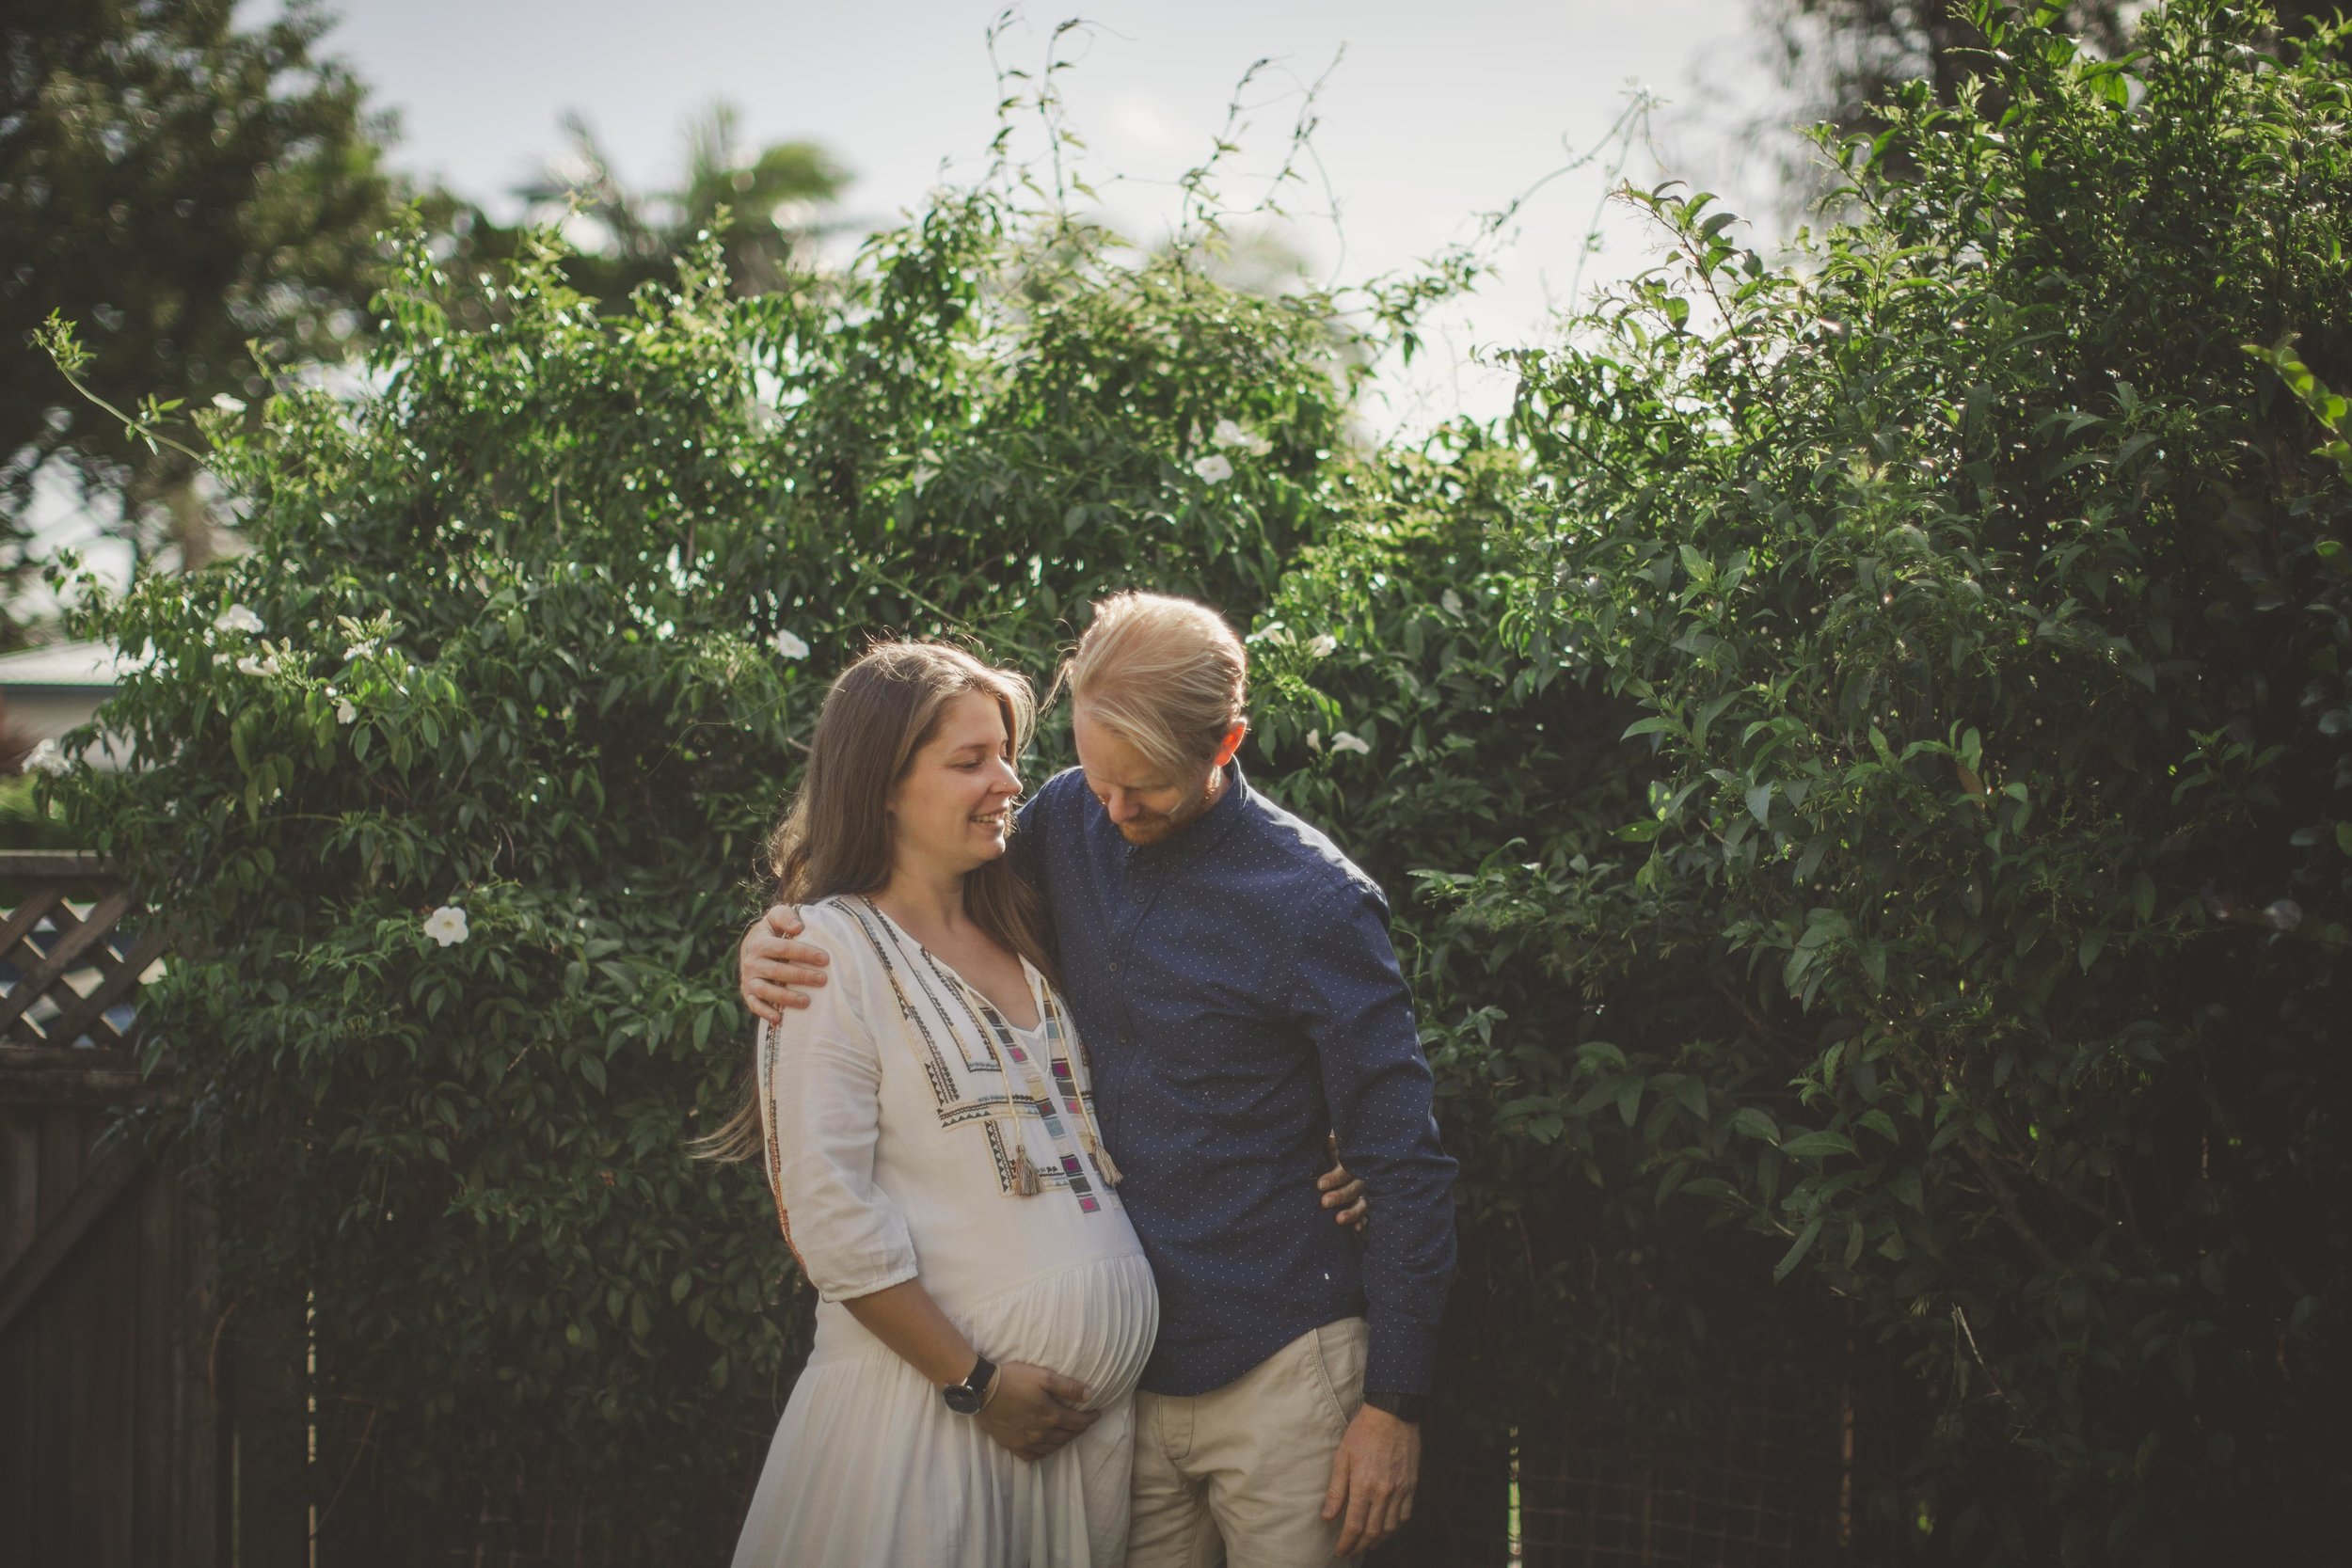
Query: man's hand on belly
(1371,1478)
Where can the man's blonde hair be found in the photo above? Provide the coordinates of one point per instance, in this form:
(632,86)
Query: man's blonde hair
(1166,676)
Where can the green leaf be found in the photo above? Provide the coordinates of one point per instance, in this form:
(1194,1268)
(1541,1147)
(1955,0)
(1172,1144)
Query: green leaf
(1817,1144)
(1755,1123)
(1810,861)
(1600,1053)
(1797,1249)
(1690,1094)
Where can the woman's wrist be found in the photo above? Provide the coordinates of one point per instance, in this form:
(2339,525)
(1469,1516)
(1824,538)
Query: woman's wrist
(969,1395)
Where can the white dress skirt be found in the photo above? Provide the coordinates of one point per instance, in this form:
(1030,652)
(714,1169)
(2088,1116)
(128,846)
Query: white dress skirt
(913,1134)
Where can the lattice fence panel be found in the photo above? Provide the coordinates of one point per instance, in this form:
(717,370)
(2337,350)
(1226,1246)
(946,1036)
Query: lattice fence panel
(74,948)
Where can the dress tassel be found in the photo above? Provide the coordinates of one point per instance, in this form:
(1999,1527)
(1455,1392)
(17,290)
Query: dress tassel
(1024,1178)
(1103,1163)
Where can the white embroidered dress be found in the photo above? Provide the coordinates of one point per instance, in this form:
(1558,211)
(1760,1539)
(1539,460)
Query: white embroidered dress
(895,1147)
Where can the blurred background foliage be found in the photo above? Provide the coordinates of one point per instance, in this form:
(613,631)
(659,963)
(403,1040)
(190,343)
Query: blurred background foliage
(208,201)
(1859,758)
(181,189)
(1849,60)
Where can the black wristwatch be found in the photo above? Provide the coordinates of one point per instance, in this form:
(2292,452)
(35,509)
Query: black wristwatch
(966,1398)
(1405,1407)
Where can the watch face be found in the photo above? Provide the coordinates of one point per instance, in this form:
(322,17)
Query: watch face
(963,1399)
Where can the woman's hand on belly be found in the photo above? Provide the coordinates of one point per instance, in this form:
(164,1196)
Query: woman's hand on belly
(1032,1411)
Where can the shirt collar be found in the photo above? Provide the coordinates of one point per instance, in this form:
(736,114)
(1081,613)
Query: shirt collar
(1204,834)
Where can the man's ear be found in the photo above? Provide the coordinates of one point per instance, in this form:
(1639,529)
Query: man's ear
(1232,743)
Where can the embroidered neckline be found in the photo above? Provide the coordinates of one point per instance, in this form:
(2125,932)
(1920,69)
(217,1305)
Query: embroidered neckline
(1058,1074)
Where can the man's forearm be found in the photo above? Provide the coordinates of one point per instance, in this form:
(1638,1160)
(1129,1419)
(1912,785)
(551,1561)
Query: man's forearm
(1408,1267)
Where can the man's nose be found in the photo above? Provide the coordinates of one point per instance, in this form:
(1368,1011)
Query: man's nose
(1120,805)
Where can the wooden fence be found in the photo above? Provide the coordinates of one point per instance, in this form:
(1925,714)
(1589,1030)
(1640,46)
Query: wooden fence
(111,1449)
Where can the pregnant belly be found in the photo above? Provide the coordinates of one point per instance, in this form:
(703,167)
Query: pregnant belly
(1094,1322)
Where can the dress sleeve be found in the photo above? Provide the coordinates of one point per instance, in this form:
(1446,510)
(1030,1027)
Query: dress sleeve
(819,1087)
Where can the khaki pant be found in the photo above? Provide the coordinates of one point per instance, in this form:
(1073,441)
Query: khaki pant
(1237,1476)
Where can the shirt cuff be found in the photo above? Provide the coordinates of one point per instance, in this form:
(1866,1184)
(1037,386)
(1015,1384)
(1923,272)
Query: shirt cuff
(1402,1358)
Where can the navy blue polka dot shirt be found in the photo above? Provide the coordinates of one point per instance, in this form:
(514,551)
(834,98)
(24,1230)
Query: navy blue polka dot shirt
(1239,999)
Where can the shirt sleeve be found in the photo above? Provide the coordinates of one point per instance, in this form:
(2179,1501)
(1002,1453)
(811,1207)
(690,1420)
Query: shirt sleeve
(1351,999)
(819,1088)
(1027,852)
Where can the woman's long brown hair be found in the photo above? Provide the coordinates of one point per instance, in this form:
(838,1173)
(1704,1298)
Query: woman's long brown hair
(834,835)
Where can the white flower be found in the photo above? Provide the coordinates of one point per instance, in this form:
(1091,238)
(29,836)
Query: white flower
(1343,741)
(924,473)
(228,404)
(362,649)
(47,759)
(1451,602)
(249,665)
(237,618)
(1215,468)
(446,925)
(1324,646)
(1315,740)
(788,645)
(346,712)
(1229,434)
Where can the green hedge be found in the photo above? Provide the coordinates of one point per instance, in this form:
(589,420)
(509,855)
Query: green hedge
(1982,615)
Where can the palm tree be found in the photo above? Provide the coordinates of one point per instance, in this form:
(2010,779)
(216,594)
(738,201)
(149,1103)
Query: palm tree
(764,208)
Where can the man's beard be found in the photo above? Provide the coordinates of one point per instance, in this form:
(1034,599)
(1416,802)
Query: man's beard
(1158,830)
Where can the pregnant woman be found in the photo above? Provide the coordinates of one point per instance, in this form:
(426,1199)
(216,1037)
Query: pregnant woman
(929,1135)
